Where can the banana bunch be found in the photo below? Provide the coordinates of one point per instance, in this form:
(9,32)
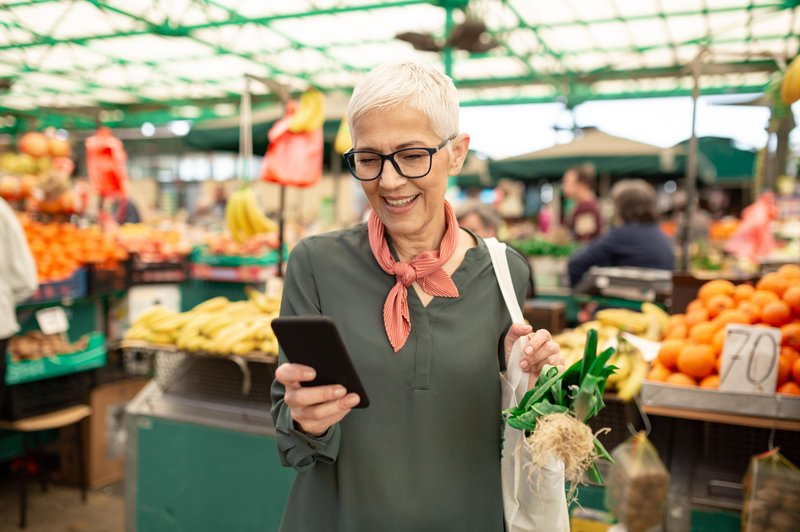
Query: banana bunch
(216,326)
(310,114)
(650,323)
(631,370)
(244,218)
(790,88)
(572,341)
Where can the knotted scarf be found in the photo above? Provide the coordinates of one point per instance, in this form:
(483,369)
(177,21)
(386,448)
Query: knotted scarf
(424,269)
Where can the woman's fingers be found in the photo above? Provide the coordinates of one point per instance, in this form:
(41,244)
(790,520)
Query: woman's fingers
(291,375)
(516,331)
(302,397)
(540,346)
(318,418)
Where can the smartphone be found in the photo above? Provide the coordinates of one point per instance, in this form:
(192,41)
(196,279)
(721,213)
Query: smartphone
(314,341)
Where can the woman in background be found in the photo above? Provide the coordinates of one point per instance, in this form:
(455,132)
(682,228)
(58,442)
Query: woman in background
(636,241)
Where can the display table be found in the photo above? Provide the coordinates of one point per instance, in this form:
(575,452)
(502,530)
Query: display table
(728,419)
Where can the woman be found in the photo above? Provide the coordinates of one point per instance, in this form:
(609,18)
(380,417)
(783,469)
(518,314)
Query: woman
(637,241)
(17,280)
(417,303)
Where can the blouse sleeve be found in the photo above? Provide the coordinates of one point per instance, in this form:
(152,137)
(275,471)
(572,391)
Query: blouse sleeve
(296,448)
(22,268)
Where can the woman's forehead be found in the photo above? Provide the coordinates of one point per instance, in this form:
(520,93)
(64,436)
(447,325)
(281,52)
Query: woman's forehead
(392,126)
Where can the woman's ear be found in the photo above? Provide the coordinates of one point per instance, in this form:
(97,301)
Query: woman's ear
(460,148)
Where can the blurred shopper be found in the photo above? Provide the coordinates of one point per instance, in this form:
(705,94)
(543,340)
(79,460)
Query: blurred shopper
(484,221)
(637,240)
(17,280)
(418,306)
(479,218)
(585,221)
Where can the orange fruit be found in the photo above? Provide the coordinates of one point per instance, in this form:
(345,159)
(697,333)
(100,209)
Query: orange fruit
(762,297)
(796,371)
(675,319)
(702,333)
(716,304)
(718,365)
(718,342)
(696,316)
(695,304)
(679,379)
(731,316)
(774,282)
(784,370)
(790,388)
(791,353)
(776,313)
(659,372)
(789,271)
(711,382)
(680,331)
(743,292)
(670,349)
(696,360)
(792,297)
(790,334)
(752,310)
(712,288)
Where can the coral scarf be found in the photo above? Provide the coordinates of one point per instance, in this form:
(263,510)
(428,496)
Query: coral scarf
(425,269)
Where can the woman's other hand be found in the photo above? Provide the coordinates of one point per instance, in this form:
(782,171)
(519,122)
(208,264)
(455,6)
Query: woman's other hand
(314,409)
(540,350)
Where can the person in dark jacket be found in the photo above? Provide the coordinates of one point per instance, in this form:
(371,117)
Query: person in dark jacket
(637,241)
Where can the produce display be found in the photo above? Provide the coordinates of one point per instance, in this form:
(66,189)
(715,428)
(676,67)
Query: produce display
(690,354)
(557,408)
(60,248)
(771,494)
(255,246)
(35,344)
(537,247)
(636,490)
(216,326)
(153,244)
(244,218)
(631,366)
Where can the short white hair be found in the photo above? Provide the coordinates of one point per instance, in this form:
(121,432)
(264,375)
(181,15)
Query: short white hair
(420,87)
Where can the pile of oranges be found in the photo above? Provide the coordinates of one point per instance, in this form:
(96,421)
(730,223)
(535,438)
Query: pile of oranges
(690,354)
(60,248)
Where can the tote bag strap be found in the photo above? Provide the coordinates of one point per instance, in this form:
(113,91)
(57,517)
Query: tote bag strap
(497,252)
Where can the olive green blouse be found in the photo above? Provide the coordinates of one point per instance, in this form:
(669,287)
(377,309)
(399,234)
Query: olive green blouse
(425,455)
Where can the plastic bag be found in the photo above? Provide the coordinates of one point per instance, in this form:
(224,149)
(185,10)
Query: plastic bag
(637,484)
(105,164)
(771,494)
(293,159)
(753,239)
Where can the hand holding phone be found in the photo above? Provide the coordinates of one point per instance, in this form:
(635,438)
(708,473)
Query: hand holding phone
(320,373)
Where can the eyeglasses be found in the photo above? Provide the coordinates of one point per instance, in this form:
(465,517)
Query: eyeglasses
(411,163)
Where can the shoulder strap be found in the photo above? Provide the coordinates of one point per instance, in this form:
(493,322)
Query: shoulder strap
(497,251)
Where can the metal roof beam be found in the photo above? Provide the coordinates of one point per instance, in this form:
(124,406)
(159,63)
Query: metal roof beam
(186,30)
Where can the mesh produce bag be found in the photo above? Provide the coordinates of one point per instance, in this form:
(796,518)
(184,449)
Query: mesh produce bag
(771,494)
(637,484)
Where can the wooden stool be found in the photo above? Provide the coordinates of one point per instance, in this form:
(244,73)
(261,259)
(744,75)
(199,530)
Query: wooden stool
(33,425)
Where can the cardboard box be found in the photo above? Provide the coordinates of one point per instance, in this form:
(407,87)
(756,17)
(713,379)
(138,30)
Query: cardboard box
(104,435)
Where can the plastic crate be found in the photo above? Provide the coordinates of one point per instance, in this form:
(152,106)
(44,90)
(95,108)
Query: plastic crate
(200,255)
(40,397)
(94,356)
(104,281)
(73,287)
(142,272)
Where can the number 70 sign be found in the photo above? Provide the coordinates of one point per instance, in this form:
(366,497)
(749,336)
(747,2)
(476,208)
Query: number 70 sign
(750,359)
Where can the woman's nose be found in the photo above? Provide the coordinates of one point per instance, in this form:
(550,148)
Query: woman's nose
(390,177)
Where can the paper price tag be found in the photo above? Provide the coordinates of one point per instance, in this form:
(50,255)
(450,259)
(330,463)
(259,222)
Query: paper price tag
(52,320)
(750,359)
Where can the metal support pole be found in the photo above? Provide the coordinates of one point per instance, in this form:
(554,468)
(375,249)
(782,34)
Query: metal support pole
(281,222)
(448,51)
(691,169)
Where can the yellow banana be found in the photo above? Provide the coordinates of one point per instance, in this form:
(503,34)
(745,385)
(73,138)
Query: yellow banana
(256,219)
(172,323)
(790,88)
(623,363)
(343,141)
(627,320)
(631,385)
(232,218)
(310,114)
(240,212)
(152,315)
(213,304)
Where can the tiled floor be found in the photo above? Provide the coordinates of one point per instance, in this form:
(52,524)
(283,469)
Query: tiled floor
(60,509)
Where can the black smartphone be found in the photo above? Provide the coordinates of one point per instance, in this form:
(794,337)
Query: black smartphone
(314,341)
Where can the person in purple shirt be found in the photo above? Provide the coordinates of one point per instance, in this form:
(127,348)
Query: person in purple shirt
(585,222)
(636,241)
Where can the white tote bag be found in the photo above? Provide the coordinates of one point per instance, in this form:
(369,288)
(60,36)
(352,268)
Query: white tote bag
(533,501)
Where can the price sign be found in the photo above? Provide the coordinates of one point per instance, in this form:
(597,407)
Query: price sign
(52,320)
(750,359)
